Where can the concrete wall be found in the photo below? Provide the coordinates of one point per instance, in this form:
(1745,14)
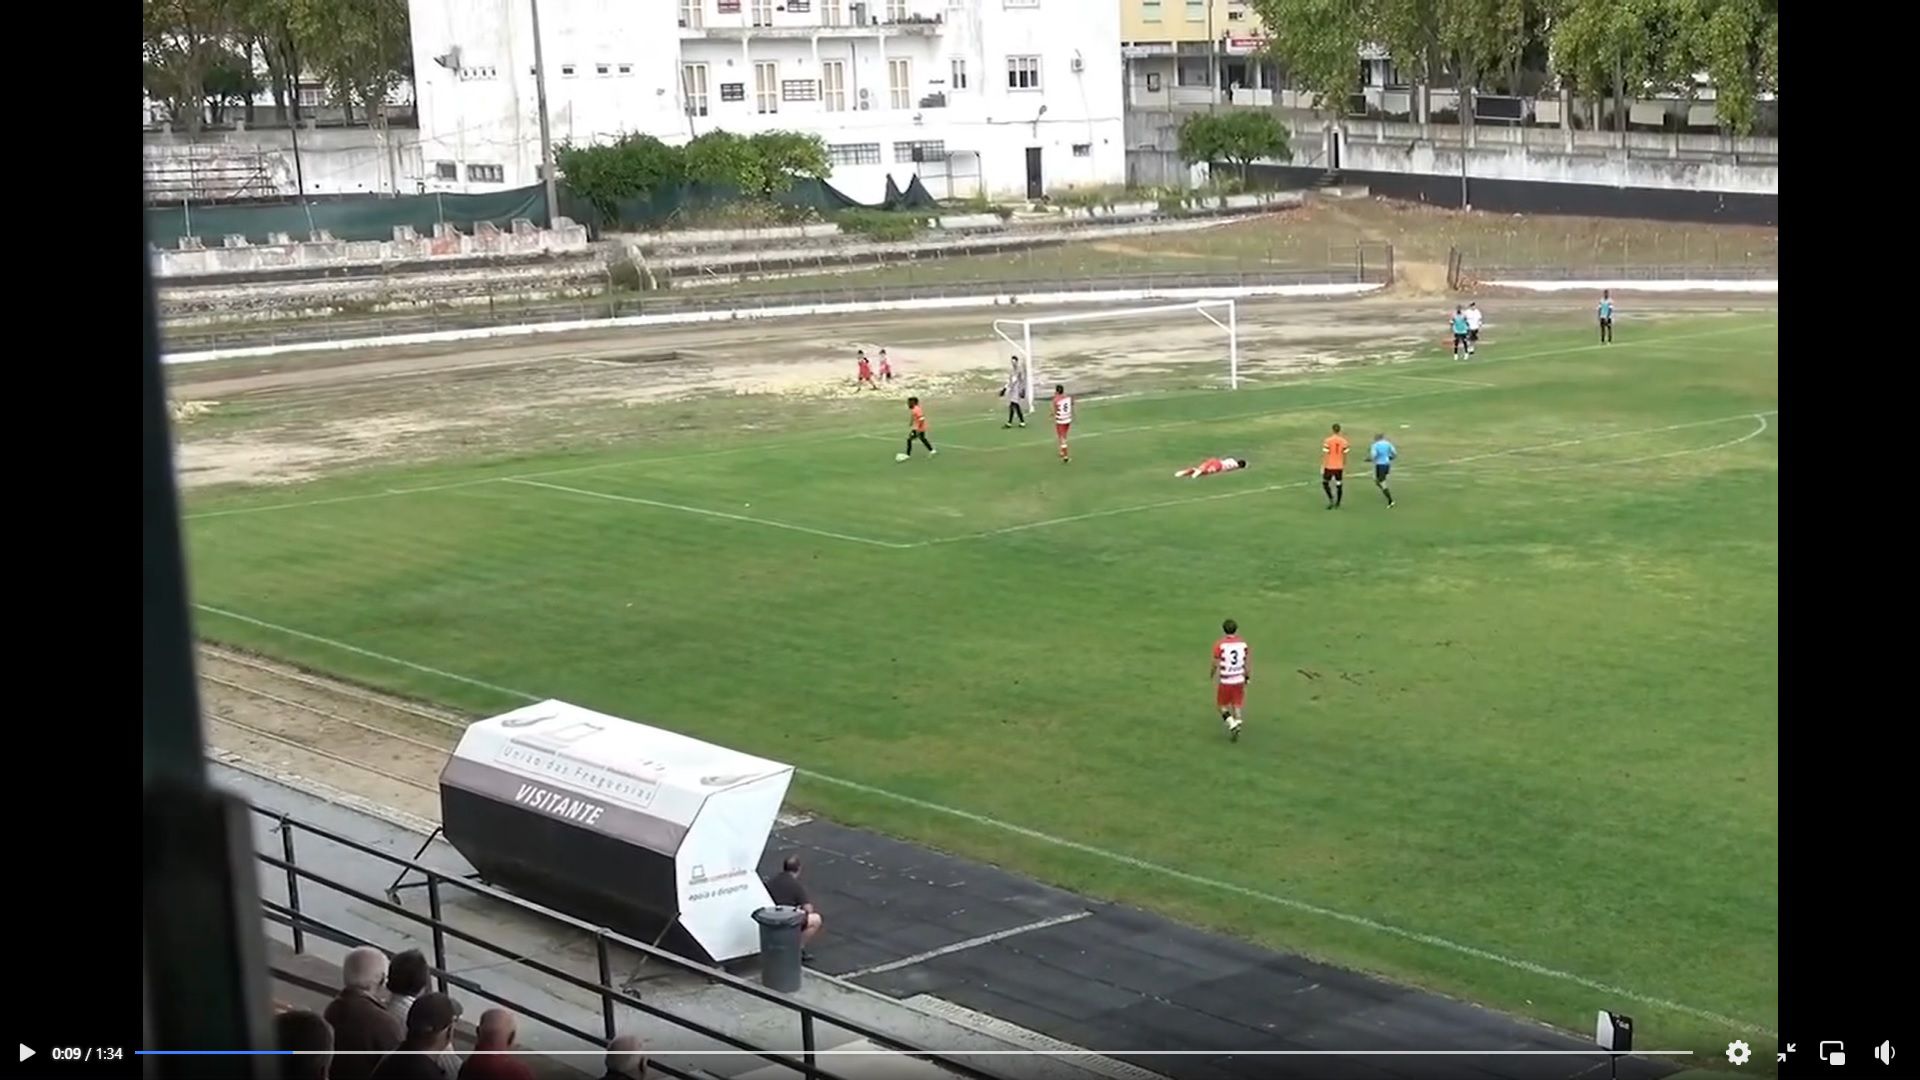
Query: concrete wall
(1745,166)
(236,256)
(1690,164)
(260,163)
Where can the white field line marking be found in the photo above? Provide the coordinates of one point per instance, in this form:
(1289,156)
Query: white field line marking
(968,421)
(909,545)
(1760,428)
(1456,382)
(478,481)
(897,440)
(962,946)
(1361,921)
(1243,492)
(769,522)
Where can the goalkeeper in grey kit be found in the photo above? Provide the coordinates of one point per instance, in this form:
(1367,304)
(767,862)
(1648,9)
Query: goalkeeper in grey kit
(1015,391)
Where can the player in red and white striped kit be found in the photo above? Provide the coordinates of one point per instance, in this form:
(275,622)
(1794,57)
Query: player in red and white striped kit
(1211,466)
(1230,677)
(1062,418)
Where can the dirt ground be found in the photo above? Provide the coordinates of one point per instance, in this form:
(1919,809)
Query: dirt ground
(302,416)
(292,725)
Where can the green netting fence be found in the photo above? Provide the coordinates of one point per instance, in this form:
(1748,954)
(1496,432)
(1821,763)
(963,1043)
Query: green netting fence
(374,217)
(368,218)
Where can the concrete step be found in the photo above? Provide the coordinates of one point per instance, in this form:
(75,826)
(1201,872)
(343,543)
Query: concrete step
(849,1061)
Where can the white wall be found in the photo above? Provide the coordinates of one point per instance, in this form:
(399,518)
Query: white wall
(488,115)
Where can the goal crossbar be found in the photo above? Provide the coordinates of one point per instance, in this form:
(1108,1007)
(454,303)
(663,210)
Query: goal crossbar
(1024,343)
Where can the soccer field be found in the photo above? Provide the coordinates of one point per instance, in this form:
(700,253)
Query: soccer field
(1512,740)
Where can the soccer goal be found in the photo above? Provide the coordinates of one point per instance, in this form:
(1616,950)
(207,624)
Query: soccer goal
(1021,333)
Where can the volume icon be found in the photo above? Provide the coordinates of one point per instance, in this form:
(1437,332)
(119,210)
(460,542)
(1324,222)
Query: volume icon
(1883,1053)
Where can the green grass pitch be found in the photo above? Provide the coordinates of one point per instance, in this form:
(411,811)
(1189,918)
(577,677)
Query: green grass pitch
(1513,740)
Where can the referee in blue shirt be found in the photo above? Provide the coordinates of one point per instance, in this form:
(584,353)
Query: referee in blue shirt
(1382,453)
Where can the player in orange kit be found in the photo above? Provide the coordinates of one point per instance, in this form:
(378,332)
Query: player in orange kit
(918,430)
(1211,466)
(1230,676)
(863,373)
(1062,418)
(1333,468)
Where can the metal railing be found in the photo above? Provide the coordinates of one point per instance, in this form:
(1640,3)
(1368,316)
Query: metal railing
(1373,267)
(435,882)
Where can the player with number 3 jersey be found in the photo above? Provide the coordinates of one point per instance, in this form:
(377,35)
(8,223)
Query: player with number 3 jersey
(1062,417)
(1230,675)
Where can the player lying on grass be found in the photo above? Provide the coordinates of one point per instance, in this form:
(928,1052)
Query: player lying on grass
(1210,466)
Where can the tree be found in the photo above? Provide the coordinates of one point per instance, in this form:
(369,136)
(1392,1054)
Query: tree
(1604,47)
(781,157)
(1319,42)
(1237,136)
(606,176)
(1482,37)
(181,42)
(360,48)
(1739,46)
(229,81)
(719,158)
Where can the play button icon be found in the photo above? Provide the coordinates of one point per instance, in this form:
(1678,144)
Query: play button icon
(25,1051)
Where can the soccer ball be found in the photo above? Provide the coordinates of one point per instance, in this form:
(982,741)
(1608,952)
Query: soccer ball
(899,457)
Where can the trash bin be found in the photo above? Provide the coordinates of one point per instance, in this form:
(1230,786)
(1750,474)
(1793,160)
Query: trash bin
(780,946)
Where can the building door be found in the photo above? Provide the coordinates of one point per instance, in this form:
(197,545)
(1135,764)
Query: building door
(1035,188)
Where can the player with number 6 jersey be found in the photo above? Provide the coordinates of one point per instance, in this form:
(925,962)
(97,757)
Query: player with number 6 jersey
(1062,417)
(1230,674)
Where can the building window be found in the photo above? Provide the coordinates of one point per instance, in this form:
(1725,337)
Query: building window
(1083,149)
(763,12)
(733,91)
(1236,16)
(1196,11)
(899,83)
(865,153)
(830,12)
(691,15)
(1193,71)
(1023,73)
(693,87)
(567,71)
(446,170)
(626,69)
(1153,82)
(766,87)
(959,81)
(727,7)
(906,152)
(1023,3)
(486,174)
(603,70)
(896,11)
(1150,10)
(799,90)
(833,84)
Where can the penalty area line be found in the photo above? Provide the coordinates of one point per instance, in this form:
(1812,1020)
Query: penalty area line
(726,515)
(1330,914)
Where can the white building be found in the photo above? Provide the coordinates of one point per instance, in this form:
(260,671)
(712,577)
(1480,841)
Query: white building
(1004,97)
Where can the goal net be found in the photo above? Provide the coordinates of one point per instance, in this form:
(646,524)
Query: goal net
(1043,344)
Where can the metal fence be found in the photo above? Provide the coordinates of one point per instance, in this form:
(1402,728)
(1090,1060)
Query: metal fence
(437,927)
(1627,254)
(913,280)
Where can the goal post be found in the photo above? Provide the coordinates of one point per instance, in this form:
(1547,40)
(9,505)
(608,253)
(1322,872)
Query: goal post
(1019,333)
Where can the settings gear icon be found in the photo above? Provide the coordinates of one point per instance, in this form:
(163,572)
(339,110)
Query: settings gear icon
(1738,1052)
